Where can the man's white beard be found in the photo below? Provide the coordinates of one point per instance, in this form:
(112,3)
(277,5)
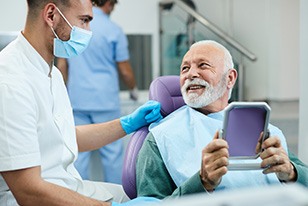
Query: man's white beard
(210,94)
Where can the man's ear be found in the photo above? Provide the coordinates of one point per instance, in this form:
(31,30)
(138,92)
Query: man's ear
(232,76)
(48,13)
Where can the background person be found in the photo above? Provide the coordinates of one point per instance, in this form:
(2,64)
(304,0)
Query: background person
(38,138)
(93,86)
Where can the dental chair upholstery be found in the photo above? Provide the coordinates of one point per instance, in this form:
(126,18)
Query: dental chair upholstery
(166,90)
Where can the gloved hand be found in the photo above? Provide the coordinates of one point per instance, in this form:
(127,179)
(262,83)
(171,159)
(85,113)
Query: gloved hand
(139,201)
(133,94)
(142,116)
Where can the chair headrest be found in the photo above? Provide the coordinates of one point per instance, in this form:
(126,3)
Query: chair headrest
(167,91)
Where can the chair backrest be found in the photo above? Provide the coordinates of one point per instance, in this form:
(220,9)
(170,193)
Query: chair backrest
(167,91)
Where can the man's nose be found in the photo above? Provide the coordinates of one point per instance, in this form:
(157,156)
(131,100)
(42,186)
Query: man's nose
(193,73)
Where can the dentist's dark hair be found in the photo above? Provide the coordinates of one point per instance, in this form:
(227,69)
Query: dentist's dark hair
(35,6)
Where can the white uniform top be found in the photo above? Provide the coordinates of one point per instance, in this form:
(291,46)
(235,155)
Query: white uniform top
(37,126)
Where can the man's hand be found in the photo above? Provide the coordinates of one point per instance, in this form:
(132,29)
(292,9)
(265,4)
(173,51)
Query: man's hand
(275,159)
(214,163)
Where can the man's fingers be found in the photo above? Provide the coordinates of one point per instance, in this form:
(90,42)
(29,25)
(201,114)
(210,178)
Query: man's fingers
(216,159)
(258,147)
(273,141)
(278,158)
(215,145)
(216,135)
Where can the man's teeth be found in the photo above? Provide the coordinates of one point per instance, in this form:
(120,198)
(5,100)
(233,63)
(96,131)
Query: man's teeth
(196,87)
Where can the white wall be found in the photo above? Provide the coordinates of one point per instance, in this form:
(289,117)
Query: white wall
(303,118)
(270,29)
(140,17)
(12,15)
(284,49)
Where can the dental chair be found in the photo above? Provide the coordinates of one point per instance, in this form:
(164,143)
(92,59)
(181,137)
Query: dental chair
(167,91)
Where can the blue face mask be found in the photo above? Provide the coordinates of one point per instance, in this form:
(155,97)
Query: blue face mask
(78,42)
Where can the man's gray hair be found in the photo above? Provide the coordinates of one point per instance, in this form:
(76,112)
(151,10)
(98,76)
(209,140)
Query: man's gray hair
(228,62)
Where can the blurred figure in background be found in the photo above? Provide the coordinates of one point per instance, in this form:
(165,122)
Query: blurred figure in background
(92,81)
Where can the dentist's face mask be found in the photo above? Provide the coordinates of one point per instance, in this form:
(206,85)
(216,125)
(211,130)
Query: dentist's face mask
(78,42)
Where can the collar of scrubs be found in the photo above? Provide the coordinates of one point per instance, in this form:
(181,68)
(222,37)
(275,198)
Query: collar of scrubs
(36,59)
(181,149)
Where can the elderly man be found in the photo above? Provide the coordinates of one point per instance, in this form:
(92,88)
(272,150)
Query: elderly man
(39,142)
(169,160)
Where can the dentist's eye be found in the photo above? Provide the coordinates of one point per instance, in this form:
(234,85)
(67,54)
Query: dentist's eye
(85,20)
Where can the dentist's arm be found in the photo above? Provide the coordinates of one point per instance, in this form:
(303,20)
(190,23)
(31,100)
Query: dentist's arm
(94,136)
(29,188)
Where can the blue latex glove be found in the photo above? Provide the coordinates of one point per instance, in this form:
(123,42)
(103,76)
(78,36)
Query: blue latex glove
(142,116)
(139,201)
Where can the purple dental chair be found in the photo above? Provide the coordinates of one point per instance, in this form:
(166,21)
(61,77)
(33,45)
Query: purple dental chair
(166,90)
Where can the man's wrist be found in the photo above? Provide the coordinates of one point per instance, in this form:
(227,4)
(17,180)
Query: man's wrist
(207,185)
(293,175)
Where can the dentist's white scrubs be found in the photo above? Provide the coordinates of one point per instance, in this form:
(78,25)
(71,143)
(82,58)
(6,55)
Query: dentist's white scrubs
(37,127)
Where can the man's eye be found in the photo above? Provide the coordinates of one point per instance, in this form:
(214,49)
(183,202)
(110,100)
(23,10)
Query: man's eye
(185,68)
(205,65)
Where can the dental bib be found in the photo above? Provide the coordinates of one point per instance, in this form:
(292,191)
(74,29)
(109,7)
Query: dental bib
(182,135)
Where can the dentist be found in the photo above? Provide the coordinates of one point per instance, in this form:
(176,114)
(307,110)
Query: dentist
(38,138)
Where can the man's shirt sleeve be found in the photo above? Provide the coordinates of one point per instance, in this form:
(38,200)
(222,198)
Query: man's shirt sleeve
(153,178)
